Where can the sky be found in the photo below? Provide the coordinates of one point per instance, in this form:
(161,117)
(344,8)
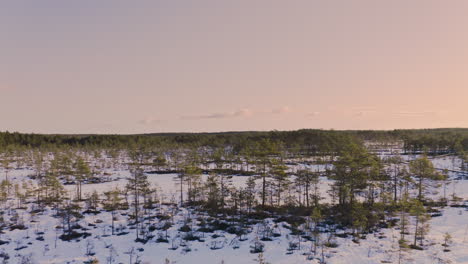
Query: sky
(114,66)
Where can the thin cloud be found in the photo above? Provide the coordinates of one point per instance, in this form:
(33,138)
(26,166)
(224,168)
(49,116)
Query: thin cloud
(150,121)
(281,110)
(415,114)
(364,113)
(239,113)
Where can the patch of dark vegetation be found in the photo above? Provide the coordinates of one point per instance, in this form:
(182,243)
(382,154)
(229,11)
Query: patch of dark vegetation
(436,214)
(342,235)
(459,205)
(185,228)
(74,235)
(331,244)
(141,240)
(290,219)
(163,217)
(4,256)
(20,248)
(219,225)
(416,247)
(93,212)
(191,237)
(257,247)
(18,227)
(162,240)
(206,229)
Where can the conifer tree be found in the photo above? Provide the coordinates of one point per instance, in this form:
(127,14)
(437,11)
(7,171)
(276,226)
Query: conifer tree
(307,182)
(137,185)
(421,218)
(82,172)
(316,218)
(92,201)
(191,176)
(394,171)
(112,204)
(280,178)
(423,170)
(262,153)
(250,194)
(351,173)
(7,164)
(69,213)
(38,163)
(213,192)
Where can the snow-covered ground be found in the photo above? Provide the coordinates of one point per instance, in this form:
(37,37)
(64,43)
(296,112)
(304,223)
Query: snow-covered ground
(381,247)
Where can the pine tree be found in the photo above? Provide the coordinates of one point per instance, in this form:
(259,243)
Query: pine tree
(7,163)
(316,218)
(69,213)
(280,178)
(447,242)
(358,219)
(394,171)
(82,172)
(261,153)
(62,165)
(38,163)
(213,193)
(308,182)
(191,175)
(423,170)
(250,194)
(137,185)
(4,187)
(224,180)
(112,204)
(404,211)
(352,171)
(92,201)
(421,228)
(53,189)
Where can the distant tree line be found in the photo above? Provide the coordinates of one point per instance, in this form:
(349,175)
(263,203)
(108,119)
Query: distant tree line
(305,141)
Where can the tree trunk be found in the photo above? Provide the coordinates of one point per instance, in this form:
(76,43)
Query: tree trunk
(416,230)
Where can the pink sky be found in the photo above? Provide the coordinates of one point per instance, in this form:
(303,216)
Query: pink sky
(156,66)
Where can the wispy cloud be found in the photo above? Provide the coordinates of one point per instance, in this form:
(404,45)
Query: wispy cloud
(415,113)
(363,113)
(150,121)
(281,110)
(239,113)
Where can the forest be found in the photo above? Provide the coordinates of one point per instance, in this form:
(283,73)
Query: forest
(433,140)
(301,192)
